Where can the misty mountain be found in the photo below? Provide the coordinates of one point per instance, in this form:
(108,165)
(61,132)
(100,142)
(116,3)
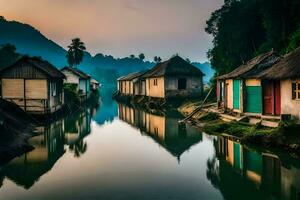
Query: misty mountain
(32,42)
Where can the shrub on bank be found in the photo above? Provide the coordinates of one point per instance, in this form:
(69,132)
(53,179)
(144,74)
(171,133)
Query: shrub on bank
(72,97)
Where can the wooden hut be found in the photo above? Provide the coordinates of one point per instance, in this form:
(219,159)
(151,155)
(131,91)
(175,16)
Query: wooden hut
(282,86)
(95,85)
(79,78)
(241,90)
(132,84)
(33,84)
(174,78)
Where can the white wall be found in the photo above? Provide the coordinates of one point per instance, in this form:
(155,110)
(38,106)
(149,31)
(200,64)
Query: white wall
(288,105)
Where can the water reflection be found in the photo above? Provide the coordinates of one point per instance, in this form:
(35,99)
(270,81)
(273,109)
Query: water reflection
(49,145)
(163,128)
(238,170)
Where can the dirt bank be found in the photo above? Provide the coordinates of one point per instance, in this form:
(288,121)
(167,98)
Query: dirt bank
(285,137)
(16,128)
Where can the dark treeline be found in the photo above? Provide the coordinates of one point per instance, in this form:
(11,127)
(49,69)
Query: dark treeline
(243,29)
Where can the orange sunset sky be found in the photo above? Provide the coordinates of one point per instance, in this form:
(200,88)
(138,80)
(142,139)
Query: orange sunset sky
(121,27)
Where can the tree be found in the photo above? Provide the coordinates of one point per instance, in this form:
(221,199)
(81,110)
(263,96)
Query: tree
(132,56)
(157,59)
(8,55)
(262,25)
(188,60)
(75,52)
(142,56)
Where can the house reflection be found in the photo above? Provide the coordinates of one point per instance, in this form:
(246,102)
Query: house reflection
(164,129)
(261,175)
(49,145)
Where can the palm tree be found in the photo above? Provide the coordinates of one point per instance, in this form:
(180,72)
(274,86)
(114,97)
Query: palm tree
(75,52)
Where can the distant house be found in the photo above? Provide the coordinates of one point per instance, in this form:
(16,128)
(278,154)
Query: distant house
(174,78)
(95,85)
(79,78)
(34,85)
(131,84)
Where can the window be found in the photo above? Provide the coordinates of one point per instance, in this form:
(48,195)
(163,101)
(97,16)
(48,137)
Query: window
(155,82)
(182,83)
(53,88)
(296,90)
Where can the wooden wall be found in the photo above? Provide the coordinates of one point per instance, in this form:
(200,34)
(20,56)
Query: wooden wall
(153,90)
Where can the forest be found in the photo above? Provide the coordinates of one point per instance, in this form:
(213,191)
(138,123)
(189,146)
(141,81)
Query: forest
(242,29)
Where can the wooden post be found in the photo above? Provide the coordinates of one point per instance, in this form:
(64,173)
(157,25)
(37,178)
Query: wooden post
(24,83)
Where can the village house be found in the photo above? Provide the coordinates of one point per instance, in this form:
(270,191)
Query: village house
(34,85)
(80,79)
(241,90)
(172,78)
(272,89)
(132,84)
(95,85)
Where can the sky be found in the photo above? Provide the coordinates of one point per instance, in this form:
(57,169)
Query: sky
(121,27)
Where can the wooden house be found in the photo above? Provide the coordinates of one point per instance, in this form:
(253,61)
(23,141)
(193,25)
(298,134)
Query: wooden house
(281,93)
(34,85)
(79,78)
(242,90)
(174,78)
(95,85)
(132,84)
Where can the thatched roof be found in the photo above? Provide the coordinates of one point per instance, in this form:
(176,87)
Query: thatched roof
(172,67)
(287,68)
(39,63)
(131,76)
(77,72)
(253,67)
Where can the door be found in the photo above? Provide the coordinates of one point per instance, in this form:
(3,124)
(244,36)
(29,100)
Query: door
(253,99)
(277,97)
(236,94)
(268,92)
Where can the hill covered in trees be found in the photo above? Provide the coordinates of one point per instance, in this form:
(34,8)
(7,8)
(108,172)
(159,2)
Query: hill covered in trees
(25,39)
(243,29)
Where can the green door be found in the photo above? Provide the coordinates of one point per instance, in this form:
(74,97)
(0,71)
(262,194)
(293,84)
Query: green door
(253,99)
(236,94)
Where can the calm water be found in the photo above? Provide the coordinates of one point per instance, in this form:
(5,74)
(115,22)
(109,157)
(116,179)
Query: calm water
(117,152)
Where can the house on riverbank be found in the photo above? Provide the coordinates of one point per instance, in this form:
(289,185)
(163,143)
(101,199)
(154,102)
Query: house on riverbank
(132,84)
(172,78)
(266,85)
(80,79)
(34,85)
(95,85)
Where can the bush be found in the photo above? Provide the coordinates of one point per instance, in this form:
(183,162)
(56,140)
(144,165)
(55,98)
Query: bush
(71,95)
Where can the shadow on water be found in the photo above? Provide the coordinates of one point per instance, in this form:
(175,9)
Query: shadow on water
(243,173)
(163,128)
(49,144)
(189,164)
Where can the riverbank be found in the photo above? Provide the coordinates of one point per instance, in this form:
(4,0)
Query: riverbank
(284,137)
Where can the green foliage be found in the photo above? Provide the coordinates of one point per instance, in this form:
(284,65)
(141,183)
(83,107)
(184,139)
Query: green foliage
(76,52)
(244,28)
(71,95)
(8,55)
(294,41)
(142,56)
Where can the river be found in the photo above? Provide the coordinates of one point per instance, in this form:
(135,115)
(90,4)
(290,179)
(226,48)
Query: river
(118,152)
